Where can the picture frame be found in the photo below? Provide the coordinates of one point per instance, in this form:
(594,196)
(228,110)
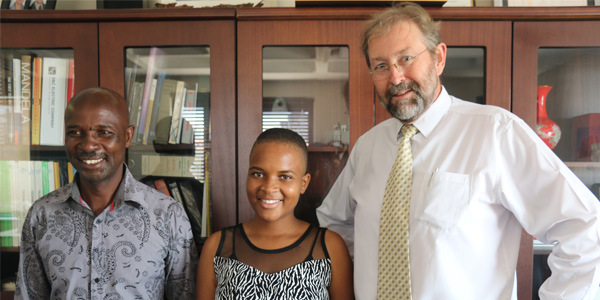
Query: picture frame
(28,4)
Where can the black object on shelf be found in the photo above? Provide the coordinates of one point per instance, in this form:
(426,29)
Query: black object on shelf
(119,4)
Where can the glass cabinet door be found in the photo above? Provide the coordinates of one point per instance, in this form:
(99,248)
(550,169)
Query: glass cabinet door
(307,75)
(477,62)
(179,80)
(39,72)
(305,89)
(555,89)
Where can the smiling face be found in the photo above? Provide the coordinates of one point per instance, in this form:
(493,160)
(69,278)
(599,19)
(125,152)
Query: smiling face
(409,91)
(276,179)
(97,135)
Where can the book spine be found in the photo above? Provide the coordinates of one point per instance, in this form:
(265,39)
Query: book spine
(8,65)
(71,80)
(16,100)
(189,113)
(70,172)
(54,100)
(176,120)
(161,185)
(25,137)
(155,108)
(5,205)
(174,189)
(152,58)
(45,178)
(56,175)
(37,100)
(149,111)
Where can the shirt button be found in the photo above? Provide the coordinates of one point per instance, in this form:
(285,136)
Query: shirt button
(97,280)
(98,221)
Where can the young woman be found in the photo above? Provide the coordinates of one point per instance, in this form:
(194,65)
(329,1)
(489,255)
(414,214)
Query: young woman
(275,255)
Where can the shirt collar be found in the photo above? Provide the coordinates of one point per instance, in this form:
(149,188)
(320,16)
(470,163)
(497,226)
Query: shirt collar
(127,191)
(427,122)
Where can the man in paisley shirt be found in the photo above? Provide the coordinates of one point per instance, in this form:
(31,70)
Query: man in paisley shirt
(105,235)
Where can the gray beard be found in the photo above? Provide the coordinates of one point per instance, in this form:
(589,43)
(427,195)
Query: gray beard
(405,110)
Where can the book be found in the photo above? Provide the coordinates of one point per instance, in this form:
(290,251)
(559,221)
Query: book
(163,122)
(5,111)
(149,111)
(14,195)
(36,98)
(192,193)
(5,205)
(63,172)
(70,172)
(174,190)
(45,178)
(16,80)
(188,114)
(167,165)
(2,76)
(54,100)
(8,71)
(22,198)
(137,109)
(131,75)
(25,138)
(36,180)
(71,80)
(161,185)
(56,175)
(153,60)
(176,117)
(155,108)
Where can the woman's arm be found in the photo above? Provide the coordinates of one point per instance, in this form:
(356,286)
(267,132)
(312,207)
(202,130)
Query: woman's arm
(206,282)
(342,287)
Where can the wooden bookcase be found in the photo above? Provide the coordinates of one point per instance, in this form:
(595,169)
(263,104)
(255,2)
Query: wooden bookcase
(509,38)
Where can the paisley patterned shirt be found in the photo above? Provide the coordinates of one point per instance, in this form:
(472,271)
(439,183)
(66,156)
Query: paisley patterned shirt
(141,248)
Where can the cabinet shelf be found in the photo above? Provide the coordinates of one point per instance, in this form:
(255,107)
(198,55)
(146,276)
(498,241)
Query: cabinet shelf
(327,149)
(582,164)
(9,249)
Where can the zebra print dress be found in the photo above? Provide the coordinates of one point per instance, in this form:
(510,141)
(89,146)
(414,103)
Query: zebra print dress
(299,271)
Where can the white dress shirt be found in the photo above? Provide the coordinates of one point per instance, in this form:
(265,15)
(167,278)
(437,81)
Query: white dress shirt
(479,174)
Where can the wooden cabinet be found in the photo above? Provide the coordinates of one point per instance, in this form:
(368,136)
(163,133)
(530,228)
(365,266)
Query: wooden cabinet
(566,56)
(77,41)
(515,49)
(214,30)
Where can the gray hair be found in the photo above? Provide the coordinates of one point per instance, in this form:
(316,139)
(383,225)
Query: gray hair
(381,23)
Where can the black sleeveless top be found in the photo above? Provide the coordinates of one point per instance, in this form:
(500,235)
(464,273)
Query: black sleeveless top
(301,270)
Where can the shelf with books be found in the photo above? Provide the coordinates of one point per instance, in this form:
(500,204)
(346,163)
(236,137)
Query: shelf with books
(23,182)
(34,90)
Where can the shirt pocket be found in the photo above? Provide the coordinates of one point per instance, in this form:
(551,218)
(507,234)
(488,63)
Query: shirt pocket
(446,196)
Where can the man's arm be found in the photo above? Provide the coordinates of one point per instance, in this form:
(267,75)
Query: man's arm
(31,277)
(337,211)
(180,269)
(553,205)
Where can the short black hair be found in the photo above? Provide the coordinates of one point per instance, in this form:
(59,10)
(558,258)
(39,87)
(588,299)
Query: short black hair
(283,135)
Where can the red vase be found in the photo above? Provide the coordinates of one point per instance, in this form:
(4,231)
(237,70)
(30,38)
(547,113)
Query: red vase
(547,129)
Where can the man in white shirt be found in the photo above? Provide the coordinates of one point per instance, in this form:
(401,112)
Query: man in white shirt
(479,176)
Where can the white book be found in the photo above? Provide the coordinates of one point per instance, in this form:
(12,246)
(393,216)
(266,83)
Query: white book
(38,182)
(188,115)
(15,204)
(176,120)
(22,199)
(17,100)
(54,100)
(149,111)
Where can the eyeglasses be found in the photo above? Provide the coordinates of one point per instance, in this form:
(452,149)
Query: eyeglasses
(382,71)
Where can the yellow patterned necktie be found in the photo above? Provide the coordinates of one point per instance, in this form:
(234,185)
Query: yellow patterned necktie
(393,279)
